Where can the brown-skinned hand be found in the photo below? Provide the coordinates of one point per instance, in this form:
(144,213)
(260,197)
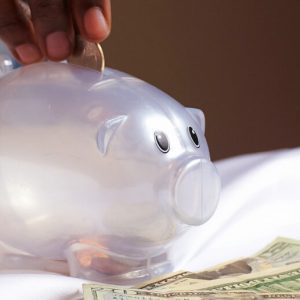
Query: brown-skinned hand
(45,29)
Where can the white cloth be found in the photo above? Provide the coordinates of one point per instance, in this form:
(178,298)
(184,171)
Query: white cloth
(39,286)
(260,200)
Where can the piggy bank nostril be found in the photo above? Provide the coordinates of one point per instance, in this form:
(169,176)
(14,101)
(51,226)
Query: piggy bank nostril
(196,192)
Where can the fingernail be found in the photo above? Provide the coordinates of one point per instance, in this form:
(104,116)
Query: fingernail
(58,45)
(95,24)
(28,53)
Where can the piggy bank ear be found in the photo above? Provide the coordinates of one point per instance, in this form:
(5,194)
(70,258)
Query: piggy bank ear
(107,130)
(198,116)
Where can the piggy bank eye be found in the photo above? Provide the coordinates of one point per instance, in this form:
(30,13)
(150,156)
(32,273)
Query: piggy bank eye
(193,136)
(161,141)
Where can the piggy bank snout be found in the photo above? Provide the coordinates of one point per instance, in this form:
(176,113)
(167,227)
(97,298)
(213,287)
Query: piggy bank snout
(196,191)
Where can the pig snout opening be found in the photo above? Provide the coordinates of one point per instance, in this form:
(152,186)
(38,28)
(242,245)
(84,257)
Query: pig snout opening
(196,191)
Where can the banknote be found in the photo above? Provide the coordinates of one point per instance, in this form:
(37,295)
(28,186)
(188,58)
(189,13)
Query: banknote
(281,252)
(273,273)
(277,280)
(97,292)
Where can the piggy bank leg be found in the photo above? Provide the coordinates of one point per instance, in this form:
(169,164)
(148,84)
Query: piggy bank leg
(91,260)
(23,261)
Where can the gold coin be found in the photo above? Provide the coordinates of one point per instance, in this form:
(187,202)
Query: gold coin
(88,55)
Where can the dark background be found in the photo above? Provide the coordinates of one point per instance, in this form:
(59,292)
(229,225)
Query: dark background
(236,60)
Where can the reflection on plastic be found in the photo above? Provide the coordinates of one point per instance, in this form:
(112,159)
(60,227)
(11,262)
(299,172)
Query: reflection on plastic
(82,177)
(6,64)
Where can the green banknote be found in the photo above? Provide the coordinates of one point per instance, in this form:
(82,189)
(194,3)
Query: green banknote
(278,280)
(97,292)
(281,252)
(273,273)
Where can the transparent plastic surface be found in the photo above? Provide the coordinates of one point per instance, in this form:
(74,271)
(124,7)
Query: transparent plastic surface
(103,171)
(6,64)
(7,61)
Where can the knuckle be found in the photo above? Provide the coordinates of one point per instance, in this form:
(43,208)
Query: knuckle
(46,10)
(13,26)
(8,25)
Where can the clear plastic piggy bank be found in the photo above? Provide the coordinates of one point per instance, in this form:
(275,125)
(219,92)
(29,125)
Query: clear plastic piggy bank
(102,171)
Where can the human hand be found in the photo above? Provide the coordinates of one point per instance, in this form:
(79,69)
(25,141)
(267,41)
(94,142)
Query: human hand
(37,29)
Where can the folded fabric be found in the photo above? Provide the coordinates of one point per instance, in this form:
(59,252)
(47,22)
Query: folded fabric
(260,200)
(28,285)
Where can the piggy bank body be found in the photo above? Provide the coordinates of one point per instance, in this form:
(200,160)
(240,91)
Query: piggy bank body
(102,171)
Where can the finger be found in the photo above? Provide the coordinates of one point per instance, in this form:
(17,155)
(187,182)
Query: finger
(16,32)
(52,27)
(93,18)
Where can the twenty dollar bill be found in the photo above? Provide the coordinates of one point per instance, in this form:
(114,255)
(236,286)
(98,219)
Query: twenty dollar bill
(97,292)
(281,252)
